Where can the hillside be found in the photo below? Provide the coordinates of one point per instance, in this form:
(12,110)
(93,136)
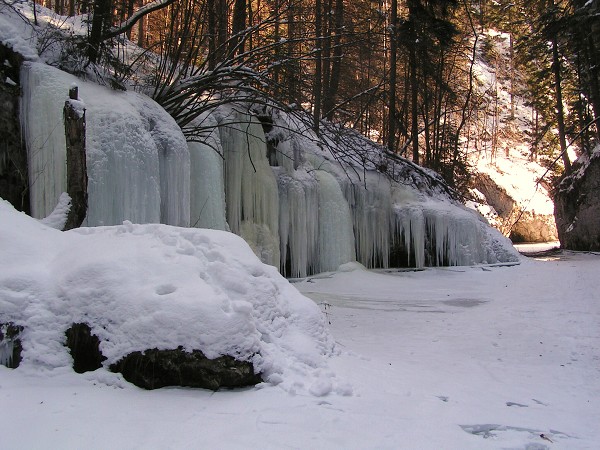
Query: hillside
(507,178)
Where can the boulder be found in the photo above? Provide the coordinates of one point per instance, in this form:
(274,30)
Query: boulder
(512,221)
(577,206)
(84,347)
(155,368)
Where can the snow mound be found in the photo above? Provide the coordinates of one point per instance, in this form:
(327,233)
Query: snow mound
(157,286)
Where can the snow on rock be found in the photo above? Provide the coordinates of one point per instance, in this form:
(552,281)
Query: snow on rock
(58,217)
(157,286)
(12,38)
(577,207)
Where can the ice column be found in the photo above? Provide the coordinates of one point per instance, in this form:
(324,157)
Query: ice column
(173,161)
(122,156)
(298,222)
(250,185)
(207,189)
(41,121)
(336,237)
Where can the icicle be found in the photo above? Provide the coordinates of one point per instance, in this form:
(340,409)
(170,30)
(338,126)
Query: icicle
(299,222)
(122,157)
(370,201)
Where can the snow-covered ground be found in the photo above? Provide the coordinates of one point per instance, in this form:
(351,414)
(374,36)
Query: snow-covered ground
(453,358)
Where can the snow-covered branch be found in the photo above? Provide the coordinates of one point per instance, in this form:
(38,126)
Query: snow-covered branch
(136,16)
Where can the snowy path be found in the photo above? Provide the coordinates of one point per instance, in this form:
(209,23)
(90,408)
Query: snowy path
(454,358)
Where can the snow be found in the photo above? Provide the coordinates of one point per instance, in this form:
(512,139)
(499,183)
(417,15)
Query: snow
(472,357)
(509,164)
(156,286)
(11,36)
(58,218)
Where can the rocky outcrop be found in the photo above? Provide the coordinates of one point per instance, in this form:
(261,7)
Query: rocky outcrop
(577,206)
(84,347)
(155,368)
(10,345)
(512,221)
(13,156)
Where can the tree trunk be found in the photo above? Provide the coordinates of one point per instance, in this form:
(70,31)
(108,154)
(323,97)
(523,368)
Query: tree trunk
(318,81)
(414,86)
(560,115)
(238,25)
(391,143)
(99,21)
(336,63)
(74,117)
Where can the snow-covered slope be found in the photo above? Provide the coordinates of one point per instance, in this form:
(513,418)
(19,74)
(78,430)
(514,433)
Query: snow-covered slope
(507,179)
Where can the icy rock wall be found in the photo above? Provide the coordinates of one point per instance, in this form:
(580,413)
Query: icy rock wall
(336,236)
(137,158)
(173,161)
(441,234)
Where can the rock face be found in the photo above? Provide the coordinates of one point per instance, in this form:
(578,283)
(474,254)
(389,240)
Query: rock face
(155,368)
(577,206)
(513,221)
(13,156)
(10,345)
(84,347)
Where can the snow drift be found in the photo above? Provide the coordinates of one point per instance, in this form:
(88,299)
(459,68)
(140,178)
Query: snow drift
(156,286)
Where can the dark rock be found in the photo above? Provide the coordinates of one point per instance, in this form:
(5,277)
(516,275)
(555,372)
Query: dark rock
(155,368)
(10,345)
(577,207)
(84,347)
(14,185)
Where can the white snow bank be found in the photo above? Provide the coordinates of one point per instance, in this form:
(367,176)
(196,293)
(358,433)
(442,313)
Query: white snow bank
(157,286)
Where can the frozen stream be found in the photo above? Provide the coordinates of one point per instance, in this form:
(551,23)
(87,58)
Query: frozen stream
(454,358)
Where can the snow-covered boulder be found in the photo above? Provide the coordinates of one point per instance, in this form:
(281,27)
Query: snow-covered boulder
(515,219)
(154,286)
(577,205)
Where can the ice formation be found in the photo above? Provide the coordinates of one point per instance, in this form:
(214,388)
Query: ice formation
(138,162)
(298,206)
(250,186)
(207,190)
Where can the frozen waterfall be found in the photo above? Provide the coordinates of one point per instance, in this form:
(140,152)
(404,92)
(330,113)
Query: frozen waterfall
(137,158)
(298,207)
